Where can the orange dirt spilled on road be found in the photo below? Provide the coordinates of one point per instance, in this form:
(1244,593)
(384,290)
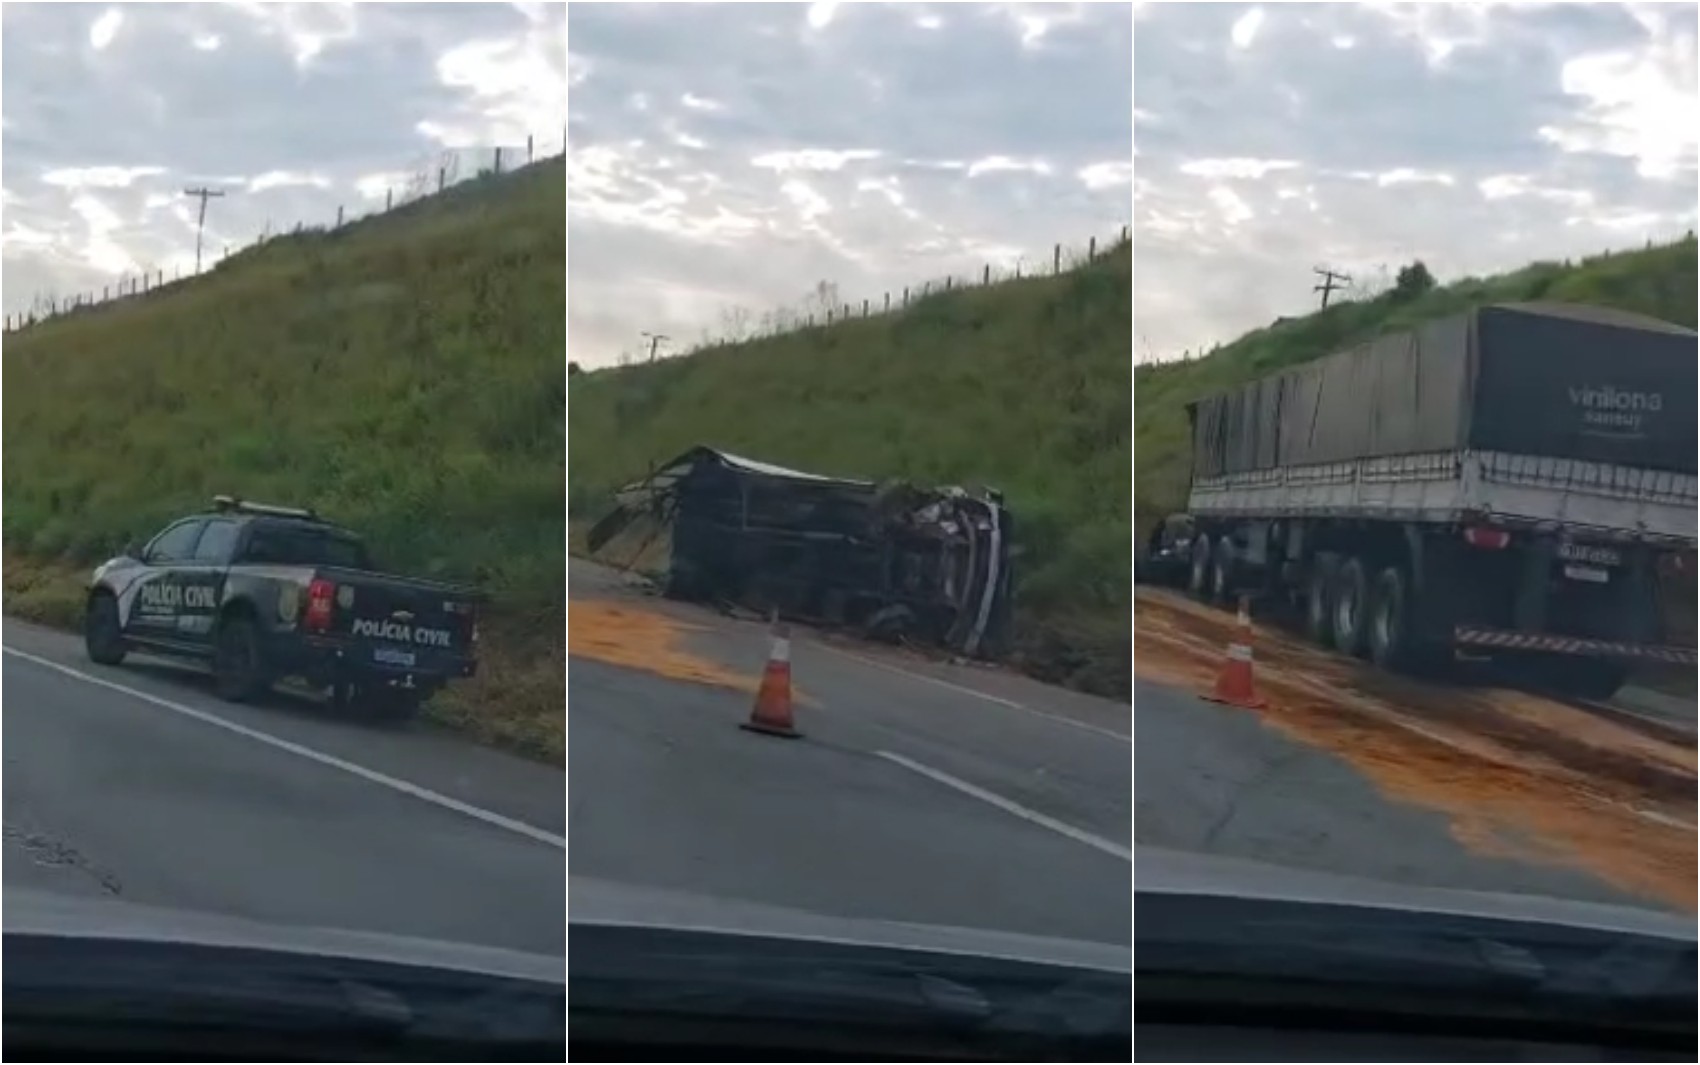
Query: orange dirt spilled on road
(1518,775)
(621,634)
(625,634)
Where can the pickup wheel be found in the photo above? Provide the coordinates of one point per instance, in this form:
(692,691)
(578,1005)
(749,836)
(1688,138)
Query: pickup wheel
(239,667)
(103,633)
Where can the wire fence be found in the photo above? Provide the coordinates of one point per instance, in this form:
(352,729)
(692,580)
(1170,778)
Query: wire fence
(418,181)
(824,307)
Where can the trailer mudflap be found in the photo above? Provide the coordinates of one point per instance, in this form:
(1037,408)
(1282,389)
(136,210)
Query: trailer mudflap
(1477,636)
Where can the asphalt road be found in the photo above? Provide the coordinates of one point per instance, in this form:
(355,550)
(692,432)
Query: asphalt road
(920,792)
(1216,780)
(136,782)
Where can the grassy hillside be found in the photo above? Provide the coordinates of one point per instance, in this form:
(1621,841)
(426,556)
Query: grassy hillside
(402,374)
(1659,281)
(1021,385)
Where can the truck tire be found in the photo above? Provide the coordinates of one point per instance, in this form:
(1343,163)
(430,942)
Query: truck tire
(1319,601)
(1350,601)
(240,672)
(1222,571)
(1198,577)
(103,633)
(1392,642)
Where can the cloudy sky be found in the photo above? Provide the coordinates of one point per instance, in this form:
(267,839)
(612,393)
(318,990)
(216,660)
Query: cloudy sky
(111,111)
(737,156)
(1272,139)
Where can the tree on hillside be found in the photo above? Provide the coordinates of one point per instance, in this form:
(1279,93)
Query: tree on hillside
(1411,282)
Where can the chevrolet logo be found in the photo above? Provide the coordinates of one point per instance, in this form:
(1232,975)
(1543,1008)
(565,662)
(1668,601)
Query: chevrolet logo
(403,615)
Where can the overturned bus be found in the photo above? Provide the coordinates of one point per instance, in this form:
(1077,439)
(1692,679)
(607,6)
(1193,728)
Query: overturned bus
(892,561)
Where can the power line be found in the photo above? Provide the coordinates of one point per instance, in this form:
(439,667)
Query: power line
(655,340)
(202,194)
(1331,280)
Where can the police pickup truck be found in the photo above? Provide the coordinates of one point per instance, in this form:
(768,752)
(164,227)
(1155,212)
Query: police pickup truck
(265,592)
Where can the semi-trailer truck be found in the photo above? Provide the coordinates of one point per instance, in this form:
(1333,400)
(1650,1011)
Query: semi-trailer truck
(1516,481)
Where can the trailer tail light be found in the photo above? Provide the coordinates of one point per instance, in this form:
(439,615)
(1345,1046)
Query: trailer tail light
(1485,537)
(321,595)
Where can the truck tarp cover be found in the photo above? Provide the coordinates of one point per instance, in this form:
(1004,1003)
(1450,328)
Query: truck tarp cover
(1534,379)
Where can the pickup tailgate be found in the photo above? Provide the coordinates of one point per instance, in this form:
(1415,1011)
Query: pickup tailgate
(411,623)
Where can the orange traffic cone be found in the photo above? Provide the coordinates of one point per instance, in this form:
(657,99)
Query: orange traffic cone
(1234,684)
(771,714)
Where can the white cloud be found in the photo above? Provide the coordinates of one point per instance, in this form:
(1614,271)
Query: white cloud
(105,28)
(99,177)
(820,14)
(1105,175)
(1405,175)
(381,184)
(812,159)
(700,103)
(100,249)
(514,87)
(207,42)
(995,164)
(1639,105)
(1245,28)
(283,179)
(307,29)
(1235,168)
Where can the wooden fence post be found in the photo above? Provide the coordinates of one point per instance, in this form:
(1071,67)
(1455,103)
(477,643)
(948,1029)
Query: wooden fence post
(389,198)
(442,177)
(498,160)
(1056,259)
(1091,249)
(986,278)
(339,216)
(864,308)
(888,302)
(905,295)
(530,151)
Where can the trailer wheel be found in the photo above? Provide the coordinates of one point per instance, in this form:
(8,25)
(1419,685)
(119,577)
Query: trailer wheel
(1391,643)
(1198,578)
(1350,601)
(1319,606)
(1222,571)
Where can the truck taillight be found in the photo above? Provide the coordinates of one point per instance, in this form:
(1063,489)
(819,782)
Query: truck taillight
(321,595)
(1485,537)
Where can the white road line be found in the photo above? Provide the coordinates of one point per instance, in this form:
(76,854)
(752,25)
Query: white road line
(986,696)
(369,775)
(1009,807)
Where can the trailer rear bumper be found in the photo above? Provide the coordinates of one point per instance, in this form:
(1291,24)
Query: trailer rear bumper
(1476,636)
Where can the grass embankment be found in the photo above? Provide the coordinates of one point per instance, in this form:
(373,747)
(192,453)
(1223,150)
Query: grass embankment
(1021,385)
(403,375)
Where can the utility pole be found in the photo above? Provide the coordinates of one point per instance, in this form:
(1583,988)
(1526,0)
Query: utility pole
(655,340)
(203,194)
(1331,280)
